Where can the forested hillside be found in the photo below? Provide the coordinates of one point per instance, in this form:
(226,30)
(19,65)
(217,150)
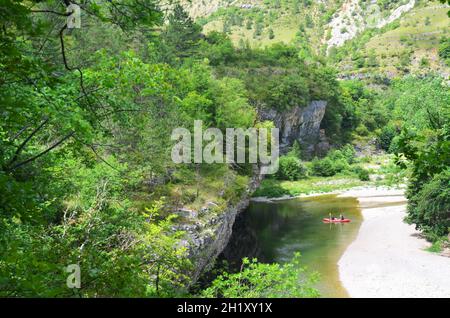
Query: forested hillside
(362,37)
(86,175)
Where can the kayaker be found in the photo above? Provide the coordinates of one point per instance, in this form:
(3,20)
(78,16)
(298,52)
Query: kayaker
(341,217)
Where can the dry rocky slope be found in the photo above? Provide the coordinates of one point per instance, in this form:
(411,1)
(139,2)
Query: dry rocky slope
(319,27)
(349,19)
(354,19)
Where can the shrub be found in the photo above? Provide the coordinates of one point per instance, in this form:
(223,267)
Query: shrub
(323,168)
(429,209)
(335,162)
(362,130)
(336,155)
(188,196)
(438,245)
(424,62)
(339,160)
(444,50)
(386,136)
(394,147)
(259,280)
(271,189)
(349,153)
(363,174)
(291,169)
(296,150)
(340,165)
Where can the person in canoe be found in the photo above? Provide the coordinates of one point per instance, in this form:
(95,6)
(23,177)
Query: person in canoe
(341,218)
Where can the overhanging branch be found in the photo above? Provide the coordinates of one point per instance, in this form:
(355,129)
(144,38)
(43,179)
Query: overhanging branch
(20,164)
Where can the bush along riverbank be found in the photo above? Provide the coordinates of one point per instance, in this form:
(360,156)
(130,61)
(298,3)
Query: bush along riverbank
(339,170)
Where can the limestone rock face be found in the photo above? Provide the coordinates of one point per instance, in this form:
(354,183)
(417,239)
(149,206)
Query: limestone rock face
(299,123)
(207,236)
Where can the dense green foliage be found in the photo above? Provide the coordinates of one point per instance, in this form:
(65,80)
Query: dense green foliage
(363,174)
(420,108)
(430,207)
(324,167)
(386,136)
(336,161)
(417,132)
(258,280)
(85,141)
(290,165)
(68,173)
(291,168)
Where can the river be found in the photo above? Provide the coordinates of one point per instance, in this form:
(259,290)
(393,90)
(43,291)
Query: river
(273,231)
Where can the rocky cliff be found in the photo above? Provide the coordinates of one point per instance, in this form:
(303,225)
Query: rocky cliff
(209,229)
(301,124)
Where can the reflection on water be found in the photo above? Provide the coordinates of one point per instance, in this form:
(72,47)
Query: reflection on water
(272,232)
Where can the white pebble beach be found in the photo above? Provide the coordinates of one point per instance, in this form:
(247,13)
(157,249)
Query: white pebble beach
(389,258)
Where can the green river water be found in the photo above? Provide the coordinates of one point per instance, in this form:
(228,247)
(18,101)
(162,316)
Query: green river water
(272,232)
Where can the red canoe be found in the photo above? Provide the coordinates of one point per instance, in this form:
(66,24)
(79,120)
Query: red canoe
(327,220)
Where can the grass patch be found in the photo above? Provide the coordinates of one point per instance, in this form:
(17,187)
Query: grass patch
(438,245)
(275,188)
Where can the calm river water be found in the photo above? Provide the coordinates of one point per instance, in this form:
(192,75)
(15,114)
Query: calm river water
(272,232)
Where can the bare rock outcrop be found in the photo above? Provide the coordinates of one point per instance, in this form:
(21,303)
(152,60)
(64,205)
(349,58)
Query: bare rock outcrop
(300,124)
